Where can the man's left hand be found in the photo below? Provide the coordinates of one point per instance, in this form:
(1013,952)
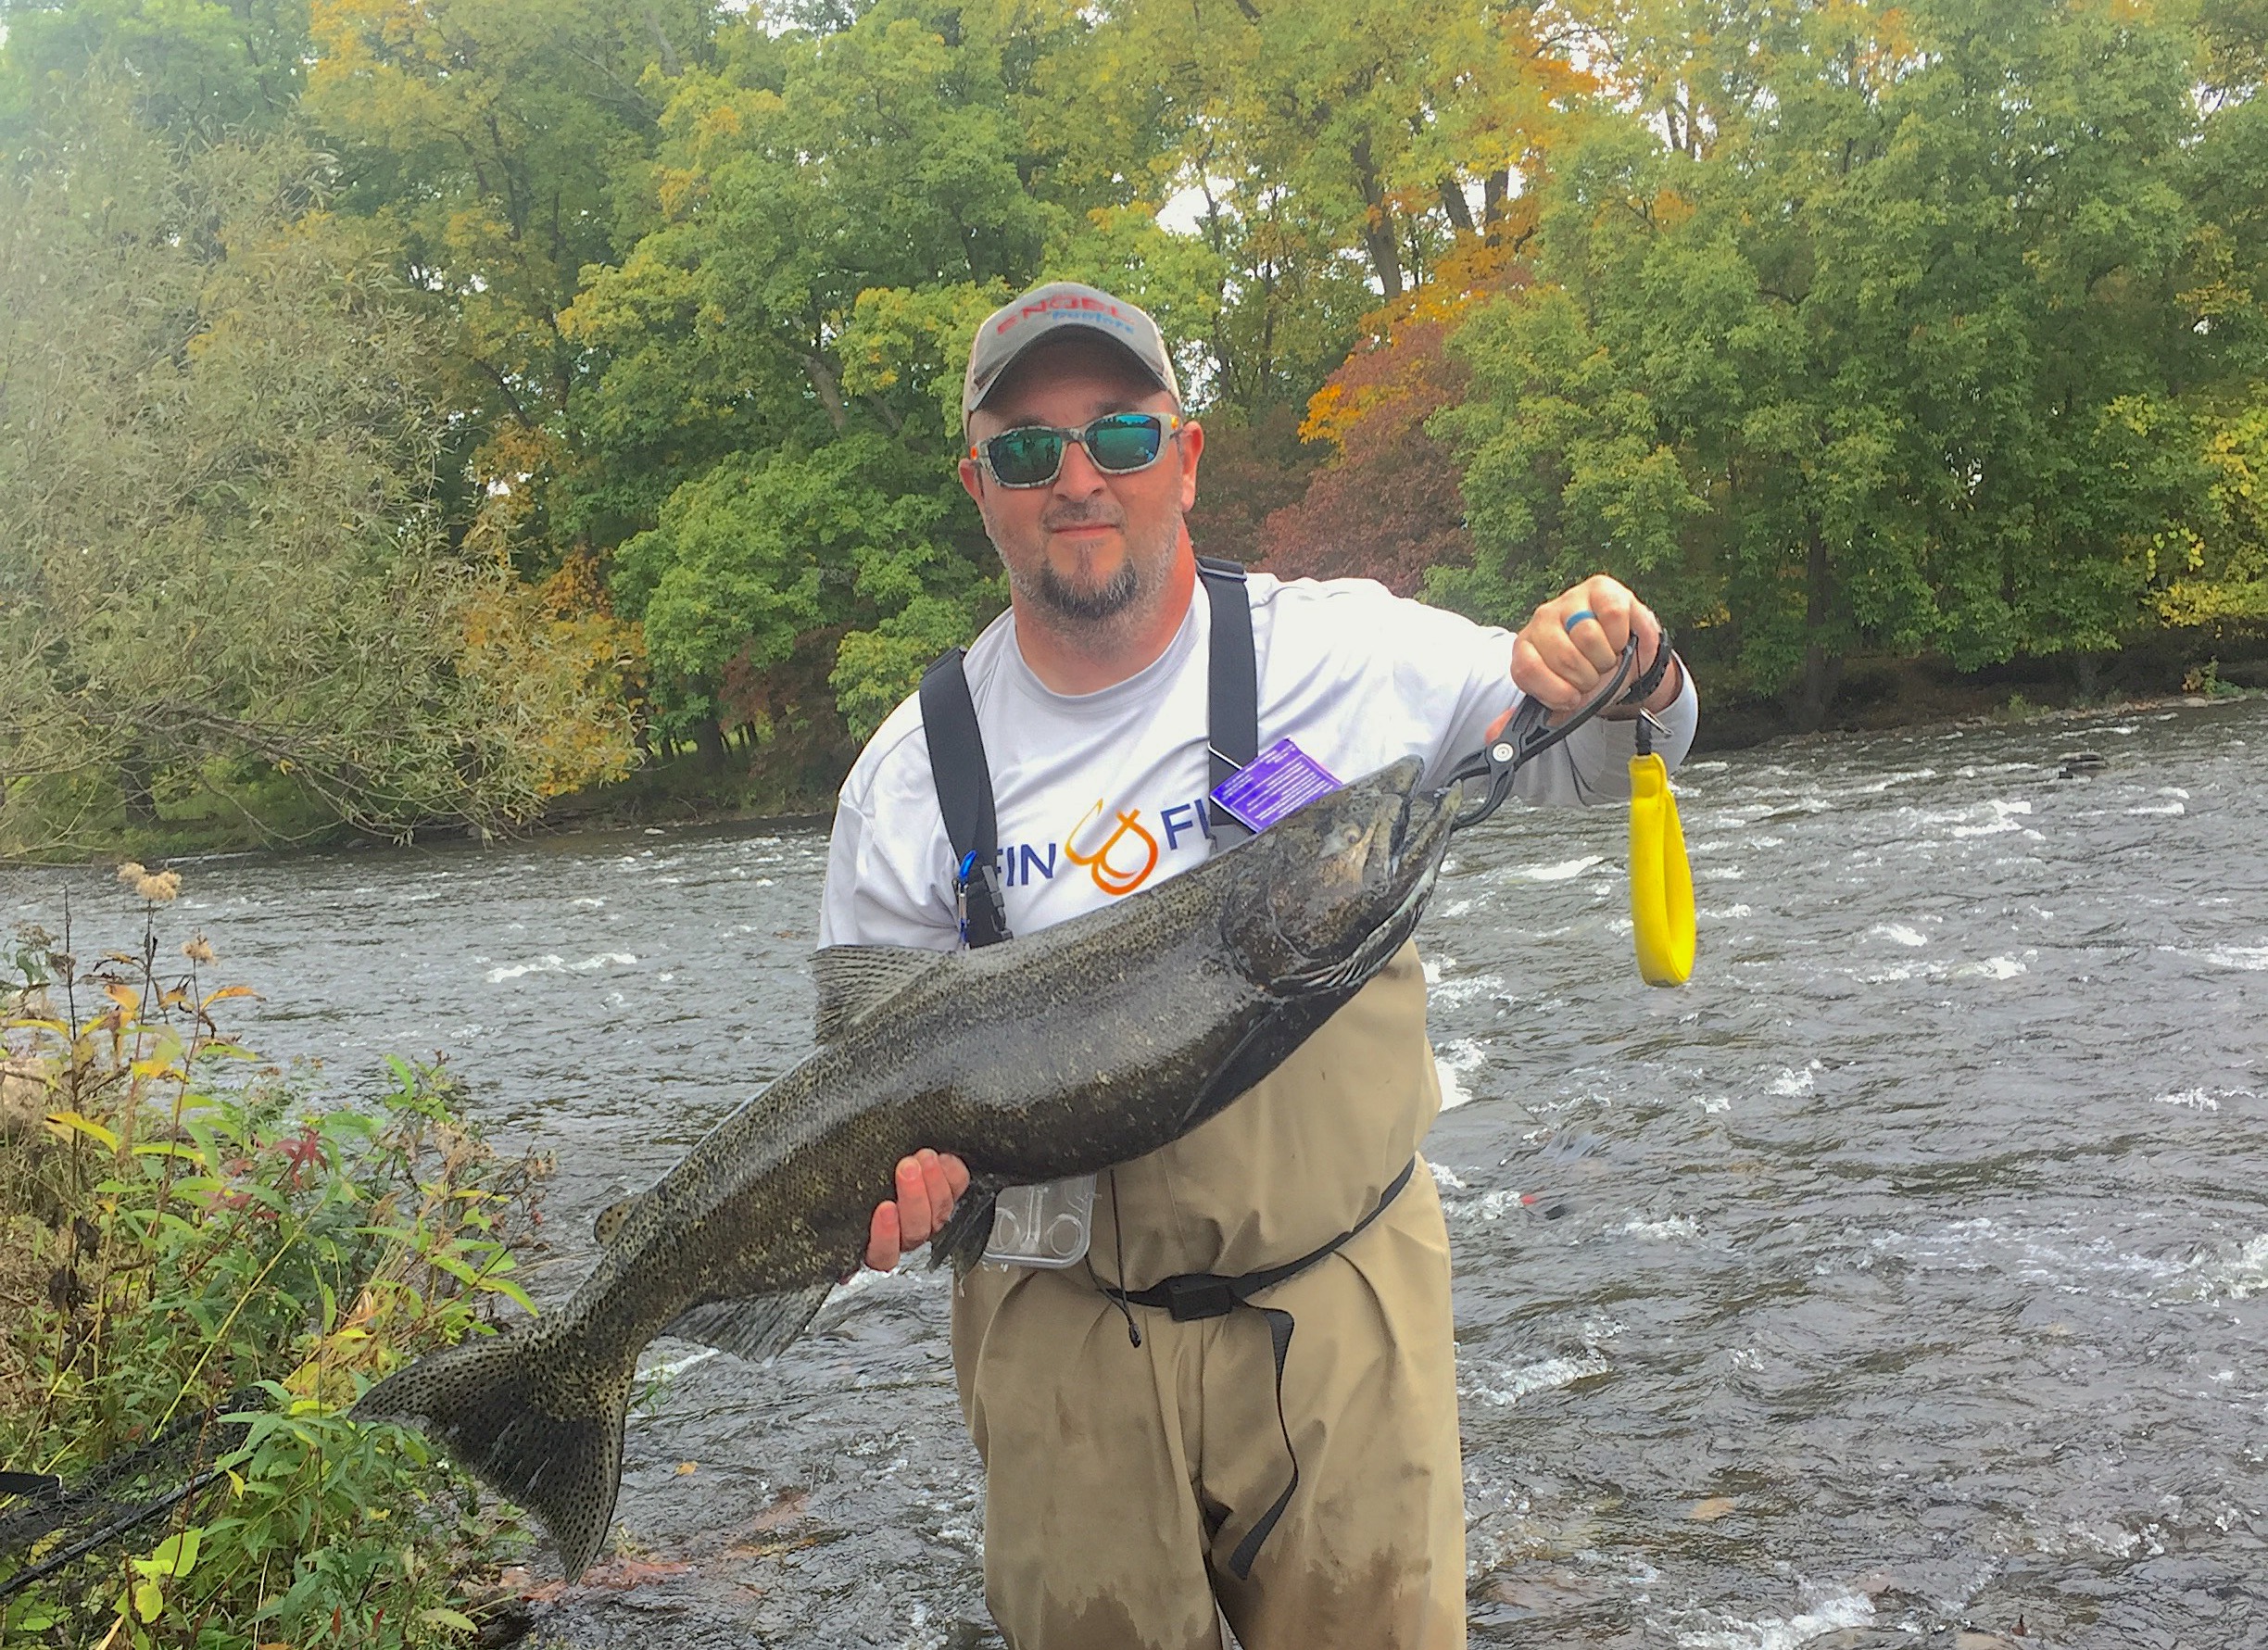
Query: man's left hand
(930,1184)
(1569,650)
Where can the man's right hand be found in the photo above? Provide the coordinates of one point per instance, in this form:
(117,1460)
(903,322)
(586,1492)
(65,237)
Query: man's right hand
(929,1183)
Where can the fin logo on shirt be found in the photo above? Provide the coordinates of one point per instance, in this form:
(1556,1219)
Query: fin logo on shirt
(1119,859)
(1121,875)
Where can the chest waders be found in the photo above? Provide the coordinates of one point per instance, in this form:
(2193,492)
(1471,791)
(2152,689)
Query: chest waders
(964,783)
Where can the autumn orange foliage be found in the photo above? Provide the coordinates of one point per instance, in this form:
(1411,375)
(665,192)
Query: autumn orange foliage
(1387,505)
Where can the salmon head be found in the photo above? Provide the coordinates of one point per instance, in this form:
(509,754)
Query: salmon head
(1327,895)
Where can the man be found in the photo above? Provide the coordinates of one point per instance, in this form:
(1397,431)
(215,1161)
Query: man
(1133,1459)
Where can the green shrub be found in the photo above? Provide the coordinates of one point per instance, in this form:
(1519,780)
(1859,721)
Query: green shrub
(2206,679)
(188,1256)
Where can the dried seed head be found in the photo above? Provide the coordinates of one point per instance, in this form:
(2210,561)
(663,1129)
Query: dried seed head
(131,872)
(198,950)
(158,888)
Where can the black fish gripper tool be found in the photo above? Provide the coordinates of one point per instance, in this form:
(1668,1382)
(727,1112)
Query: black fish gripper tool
(1530,732)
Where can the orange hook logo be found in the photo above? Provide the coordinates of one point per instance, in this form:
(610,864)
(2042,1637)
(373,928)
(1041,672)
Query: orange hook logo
(1107,876)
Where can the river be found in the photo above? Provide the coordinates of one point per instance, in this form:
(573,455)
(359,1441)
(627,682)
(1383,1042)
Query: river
(1906,1270)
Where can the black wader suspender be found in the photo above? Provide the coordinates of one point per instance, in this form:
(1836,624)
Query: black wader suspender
(964,796)
(1232,692)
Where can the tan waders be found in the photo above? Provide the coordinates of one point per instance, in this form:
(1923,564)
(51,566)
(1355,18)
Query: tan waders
(1119,1481)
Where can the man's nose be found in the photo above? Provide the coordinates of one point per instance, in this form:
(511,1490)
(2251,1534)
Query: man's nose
(1079,477)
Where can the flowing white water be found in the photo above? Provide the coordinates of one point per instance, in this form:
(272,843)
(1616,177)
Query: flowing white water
(1907,1271)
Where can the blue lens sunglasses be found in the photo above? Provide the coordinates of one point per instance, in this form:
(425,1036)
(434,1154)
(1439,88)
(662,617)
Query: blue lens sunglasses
(1118,443)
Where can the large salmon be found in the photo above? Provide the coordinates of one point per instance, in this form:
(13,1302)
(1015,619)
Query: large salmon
(1088,1044)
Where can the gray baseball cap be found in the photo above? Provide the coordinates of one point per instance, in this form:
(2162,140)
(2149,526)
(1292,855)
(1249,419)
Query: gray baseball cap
(1059,309)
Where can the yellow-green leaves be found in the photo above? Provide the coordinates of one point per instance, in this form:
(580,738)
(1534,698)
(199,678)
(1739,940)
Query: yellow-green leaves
(241,428)
(224,1272)
(64,1124)
(173,1559)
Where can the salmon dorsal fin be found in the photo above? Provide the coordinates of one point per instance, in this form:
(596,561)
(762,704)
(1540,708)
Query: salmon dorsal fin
(854,978)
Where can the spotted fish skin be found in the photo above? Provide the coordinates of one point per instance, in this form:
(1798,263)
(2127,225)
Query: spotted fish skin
(1091,1043)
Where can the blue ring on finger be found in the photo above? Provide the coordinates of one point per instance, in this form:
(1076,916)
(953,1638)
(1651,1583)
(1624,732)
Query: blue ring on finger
(1575,618)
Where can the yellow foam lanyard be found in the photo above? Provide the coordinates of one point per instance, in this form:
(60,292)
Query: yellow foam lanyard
(1661,876)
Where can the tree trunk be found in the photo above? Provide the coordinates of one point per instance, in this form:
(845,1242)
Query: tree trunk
(1456,205)
(1379,237)
(1822,674)
(709,740)
(670,66)
(1822,670)
(138,787)
(2086,666)
(1495,189)
(829,388)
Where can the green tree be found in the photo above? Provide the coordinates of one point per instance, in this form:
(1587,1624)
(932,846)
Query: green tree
(1565,471)
(1891,307)
(778,362)
(499,145)
(2227,179)
(220,552)
(1334,146)
(2210,564)
(194,68)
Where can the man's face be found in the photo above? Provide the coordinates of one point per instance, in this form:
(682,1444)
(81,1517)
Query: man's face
(1089,546)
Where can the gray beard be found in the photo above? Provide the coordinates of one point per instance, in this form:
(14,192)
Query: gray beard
(1092,606)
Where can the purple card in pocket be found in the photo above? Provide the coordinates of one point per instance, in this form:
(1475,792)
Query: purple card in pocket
(1279,781)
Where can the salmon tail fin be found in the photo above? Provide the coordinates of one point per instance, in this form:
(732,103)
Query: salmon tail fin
(486,1401)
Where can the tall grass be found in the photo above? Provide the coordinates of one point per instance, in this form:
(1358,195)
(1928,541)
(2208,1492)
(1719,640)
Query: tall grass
(191,1259)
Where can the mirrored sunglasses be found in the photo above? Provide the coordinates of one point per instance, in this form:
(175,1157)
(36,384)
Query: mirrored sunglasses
(1119,443)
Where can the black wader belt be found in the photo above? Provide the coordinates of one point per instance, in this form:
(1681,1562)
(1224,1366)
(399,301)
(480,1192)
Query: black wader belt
(963,779)
(1188,1296)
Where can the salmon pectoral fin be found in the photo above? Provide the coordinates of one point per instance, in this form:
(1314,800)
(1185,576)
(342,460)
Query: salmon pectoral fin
(553,1447)
(753,1328)
(967,1231)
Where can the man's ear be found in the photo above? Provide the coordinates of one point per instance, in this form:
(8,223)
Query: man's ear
(972,481)
(1191,443)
